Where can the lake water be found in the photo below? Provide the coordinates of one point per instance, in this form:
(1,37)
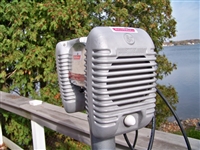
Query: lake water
(185,79)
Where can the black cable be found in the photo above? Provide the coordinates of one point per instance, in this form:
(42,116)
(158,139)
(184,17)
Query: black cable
(154,125)
(135,140)
(128,142)
(177,119)
(152,133)
(136,136)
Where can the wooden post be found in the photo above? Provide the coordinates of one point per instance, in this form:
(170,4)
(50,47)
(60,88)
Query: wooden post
(1,135)
(38,136)
(2,145)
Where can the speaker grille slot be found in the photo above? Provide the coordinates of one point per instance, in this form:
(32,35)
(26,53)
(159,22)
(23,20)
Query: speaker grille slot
(63,70)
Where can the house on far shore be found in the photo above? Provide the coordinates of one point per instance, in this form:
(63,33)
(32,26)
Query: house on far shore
(183,42)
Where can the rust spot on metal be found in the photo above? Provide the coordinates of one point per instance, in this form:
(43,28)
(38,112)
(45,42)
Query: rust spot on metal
(13,96)
(3,146)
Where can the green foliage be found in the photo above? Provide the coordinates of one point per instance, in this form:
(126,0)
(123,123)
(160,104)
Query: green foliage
(190,132)
(63,142)
(29,31)
(21,135)
(162,110)
(55,140)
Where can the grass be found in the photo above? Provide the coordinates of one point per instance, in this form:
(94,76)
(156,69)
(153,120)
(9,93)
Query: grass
(61,142)
(72,145)
(190,132)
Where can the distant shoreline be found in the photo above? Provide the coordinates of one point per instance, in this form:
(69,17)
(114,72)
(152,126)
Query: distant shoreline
(183,42)
(180,45)
(170,126)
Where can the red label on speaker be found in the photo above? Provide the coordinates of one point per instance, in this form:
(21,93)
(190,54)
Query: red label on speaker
(77,55)
(124,29)
(77,77)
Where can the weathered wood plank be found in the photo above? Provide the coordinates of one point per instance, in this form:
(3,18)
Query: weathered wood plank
(51,116)
(76,125)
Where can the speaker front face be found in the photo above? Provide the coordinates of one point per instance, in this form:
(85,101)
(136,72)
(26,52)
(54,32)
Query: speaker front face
(69,61)
(120,81)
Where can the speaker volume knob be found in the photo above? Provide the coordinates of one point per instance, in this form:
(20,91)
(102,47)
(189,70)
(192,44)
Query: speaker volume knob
(129,120)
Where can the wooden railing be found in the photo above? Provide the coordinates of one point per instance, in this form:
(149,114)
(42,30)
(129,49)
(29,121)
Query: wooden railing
(76,126)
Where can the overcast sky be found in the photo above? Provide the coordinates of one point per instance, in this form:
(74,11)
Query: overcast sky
(186,14)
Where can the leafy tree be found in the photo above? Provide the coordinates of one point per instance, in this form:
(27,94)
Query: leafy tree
(29,31)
